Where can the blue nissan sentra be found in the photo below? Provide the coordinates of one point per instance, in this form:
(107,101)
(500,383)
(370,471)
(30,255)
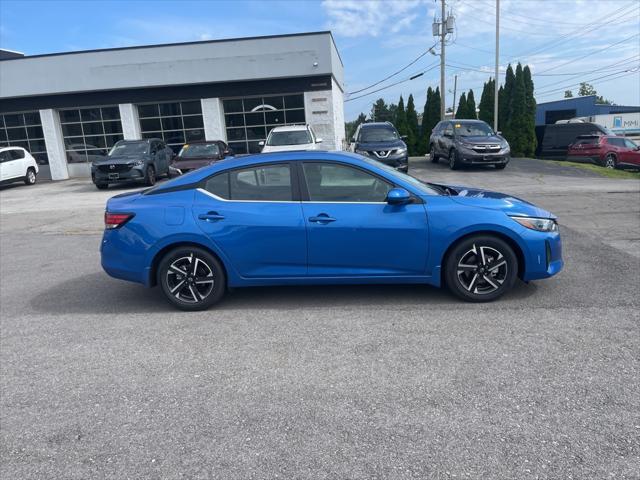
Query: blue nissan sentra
(302,218)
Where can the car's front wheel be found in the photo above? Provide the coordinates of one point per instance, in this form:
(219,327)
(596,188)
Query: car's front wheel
(432,154)
(481,268)
(150,176)
(191,278)
(30,177)
(453,159)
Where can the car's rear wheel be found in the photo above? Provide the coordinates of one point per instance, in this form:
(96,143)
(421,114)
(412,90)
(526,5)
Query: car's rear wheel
(30,177)
(611,161)
(481,268)
(191,278)
(150,176)
(432,155)
(453,159)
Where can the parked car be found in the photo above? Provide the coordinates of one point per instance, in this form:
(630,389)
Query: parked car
(382,142)
(290,137)
(554,139)
(132,160)
(608,150)
(17,165)
(199,154)
(301,218)
(468,142)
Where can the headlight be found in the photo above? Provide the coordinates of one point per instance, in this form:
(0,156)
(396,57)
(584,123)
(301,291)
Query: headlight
(401,151)
(362,152)
(539,224)
(138,163)
(468,146)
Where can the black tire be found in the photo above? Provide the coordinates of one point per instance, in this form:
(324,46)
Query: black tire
(102,186)
(432,155)
(191,292)
(466,273)
(454,164)
(150,176)
(501,166)
(610,161)
(30,177)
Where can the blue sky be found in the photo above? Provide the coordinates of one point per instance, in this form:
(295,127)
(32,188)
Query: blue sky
(593,40)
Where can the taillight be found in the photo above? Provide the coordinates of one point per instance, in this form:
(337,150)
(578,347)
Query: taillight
(116,220)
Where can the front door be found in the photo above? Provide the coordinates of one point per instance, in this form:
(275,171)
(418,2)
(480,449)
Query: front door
(250,215)
(352,231)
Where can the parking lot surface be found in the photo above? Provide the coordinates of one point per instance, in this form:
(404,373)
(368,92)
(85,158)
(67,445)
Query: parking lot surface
(103,379)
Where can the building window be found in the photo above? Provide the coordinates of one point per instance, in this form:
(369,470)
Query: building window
(176,123)
(24,130)
(249,120)
(90,132)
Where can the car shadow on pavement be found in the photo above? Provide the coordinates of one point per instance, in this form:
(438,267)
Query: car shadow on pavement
(99,294)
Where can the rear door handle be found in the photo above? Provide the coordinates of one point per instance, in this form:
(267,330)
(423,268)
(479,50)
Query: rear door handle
(322,218)
(211,216)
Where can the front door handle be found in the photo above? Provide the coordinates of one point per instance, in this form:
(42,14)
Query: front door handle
(322,218)
(211,216)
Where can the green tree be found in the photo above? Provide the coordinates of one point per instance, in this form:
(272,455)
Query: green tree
(380,112)
(401,118)
(532,140)
(461,112)
(505,102)
(424,133)
(568,94)
(586,89)
(471,106)
(412,126)
(486,102)
(350,127)
(517,134)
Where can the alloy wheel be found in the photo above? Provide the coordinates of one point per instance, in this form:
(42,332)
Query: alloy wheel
(610,161)
(190,279)
(31,177)
(482,269)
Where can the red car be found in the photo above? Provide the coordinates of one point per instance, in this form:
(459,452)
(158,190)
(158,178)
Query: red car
(607,150)
(199,154)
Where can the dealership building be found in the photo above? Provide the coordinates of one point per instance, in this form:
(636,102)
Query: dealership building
(69,108)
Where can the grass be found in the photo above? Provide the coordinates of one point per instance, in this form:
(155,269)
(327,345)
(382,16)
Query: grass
(605,172)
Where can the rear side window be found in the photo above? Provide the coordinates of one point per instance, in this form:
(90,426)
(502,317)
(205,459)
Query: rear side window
(587,141)
(271,183)
(5,156)
(618,142)
(17,154)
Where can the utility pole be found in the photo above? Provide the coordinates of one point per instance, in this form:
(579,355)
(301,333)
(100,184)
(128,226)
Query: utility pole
(497,81)
(443,34)
(455,87)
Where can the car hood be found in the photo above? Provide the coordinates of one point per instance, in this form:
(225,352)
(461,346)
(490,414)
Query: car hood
(288,148)
(477,197)
(481,139)
(381,145)
(120,159)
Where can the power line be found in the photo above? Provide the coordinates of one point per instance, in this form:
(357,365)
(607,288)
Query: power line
(543,92)
(393,74)
(622,75)
(431,67)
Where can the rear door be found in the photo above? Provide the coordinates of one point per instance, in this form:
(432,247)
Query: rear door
(352,231)
(253,216)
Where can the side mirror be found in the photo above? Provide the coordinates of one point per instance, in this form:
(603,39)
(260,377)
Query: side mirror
(261,143)
(318,140)
(398,196)
(404,137)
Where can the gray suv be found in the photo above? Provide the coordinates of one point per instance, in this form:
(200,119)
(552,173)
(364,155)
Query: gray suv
(468,142)
(132,160)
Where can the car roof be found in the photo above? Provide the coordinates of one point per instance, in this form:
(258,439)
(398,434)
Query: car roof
(9,147)
(290,128)
(378,124)
(202,142)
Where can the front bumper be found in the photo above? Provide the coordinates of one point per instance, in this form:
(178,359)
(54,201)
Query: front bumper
(544,256)
(471,157)
(133,174)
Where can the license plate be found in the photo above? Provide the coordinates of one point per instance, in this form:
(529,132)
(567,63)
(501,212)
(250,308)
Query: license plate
(114,176)
(486,158)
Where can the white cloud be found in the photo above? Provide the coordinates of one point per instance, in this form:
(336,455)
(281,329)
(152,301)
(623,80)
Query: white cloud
(355,18)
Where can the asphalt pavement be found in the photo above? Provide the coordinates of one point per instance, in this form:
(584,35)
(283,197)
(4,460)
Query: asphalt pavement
(103,379)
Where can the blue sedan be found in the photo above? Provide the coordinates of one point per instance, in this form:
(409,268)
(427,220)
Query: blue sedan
(302,218)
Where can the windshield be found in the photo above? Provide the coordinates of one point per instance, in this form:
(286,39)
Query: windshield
(294,137)
(199,150)
(473,129)
(381,134)
(418,184)
(137,148)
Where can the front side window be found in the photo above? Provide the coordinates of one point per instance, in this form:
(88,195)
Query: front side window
(630,144)
(295,137)
(448,130)
(5,156)
(328,182)
(270,183)
(378,134)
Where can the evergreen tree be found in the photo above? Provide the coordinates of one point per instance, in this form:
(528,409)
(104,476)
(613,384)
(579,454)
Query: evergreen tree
(505,103)
(380,112)
(401,118)
(531,113)
(412,127)
(435,108)
(350,127)
(471,106)
(425,132)
(486,102)
(517,134)
(461,112)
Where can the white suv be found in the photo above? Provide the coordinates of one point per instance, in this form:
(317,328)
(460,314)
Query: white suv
(16,164)
(291,137)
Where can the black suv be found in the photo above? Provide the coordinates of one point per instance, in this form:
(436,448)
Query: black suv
(380,141)
(132,160)
(468,142)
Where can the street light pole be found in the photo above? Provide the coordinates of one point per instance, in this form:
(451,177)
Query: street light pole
(443,33)
(497,81)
